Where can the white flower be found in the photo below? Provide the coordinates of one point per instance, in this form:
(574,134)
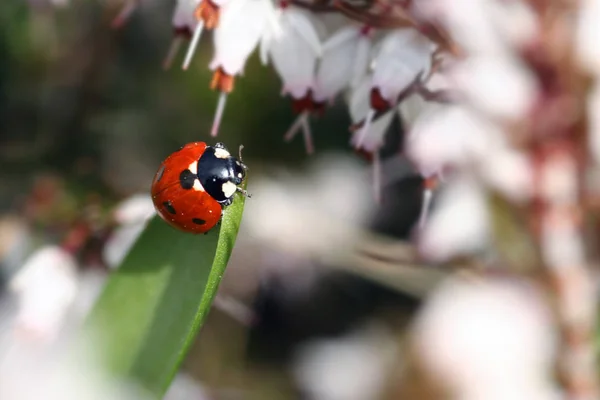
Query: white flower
(136,208)
(132,215)
(344,62)
(242,25)
(183,17)
(301,214)
(509,171)
(359,106)
(410,109)
(488,340)
(353,367)
(449,135)
(593,106)
(45,286)
(483,26)
(294,47)
(184,24)
(240,28)
(499,86)
(403,55)
(588,32)
(459,225)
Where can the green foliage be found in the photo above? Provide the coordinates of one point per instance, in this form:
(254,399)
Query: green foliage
(155,303)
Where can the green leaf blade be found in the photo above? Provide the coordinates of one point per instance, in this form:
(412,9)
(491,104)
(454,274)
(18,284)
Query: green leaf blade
(152,307)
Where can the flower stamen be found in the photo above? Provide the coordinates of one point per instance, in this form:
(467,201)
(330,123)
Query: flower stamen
(124,14)
(219,114)
(193,45)
(429,186)
(207,15)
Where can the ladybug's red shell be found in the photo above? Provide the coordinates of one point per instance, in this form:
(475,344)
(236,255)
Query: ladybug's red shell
(189,208)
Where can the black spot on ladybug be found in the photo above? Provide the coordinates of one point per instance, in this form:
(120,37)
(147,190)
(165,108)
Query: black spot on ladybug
(186,179)
(198,221)
(169,207)
(160,173)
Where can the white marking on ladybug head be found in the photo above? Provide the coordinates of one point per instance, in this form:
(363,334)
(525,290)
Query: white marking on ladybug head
(239,174)
(194,167)
(221,153)
(198,186)
(229,189)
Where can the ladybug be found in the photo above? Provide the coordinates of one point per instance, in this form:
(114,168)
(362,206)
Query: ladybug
(193,184)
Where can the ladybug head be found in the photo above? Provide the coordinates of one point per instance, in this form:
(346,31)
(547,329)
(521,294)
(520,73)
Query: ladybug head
(220,173)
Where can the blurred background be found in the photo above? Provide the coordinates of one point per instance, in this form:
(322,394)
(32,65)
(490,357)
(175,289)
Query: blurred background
(87,114)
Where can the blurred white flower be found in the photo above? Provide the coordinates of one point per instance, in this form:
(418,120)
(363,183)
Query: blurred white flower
(312,215)
(500,86)
(483,26)
(183,19)
(352,367)
(184,387)
(594,120)
(410,109)
(489,340)
(58,373)
(402,56)
(509,171)
(345,61)
(588,32)
(132,215)
(134,209)
(459,224)
(359,104)
(45,288)
(448,135)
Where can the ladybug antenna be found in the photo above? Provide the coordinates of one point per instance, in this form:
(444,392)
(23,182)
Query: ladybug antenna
(240,153)
(193,44)
(243,192)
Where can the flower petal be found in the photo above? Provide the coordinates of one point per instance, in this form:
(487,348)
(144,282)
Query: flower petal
(183,16)
(293,56)
(302,22)
(361,59)
(460,224)
(335,70)
(241,26)
(404,53)
(340,38)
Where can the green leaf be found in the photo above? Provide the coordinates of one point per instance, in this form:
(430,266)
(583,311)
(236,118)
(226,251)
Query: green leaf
(153,306)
